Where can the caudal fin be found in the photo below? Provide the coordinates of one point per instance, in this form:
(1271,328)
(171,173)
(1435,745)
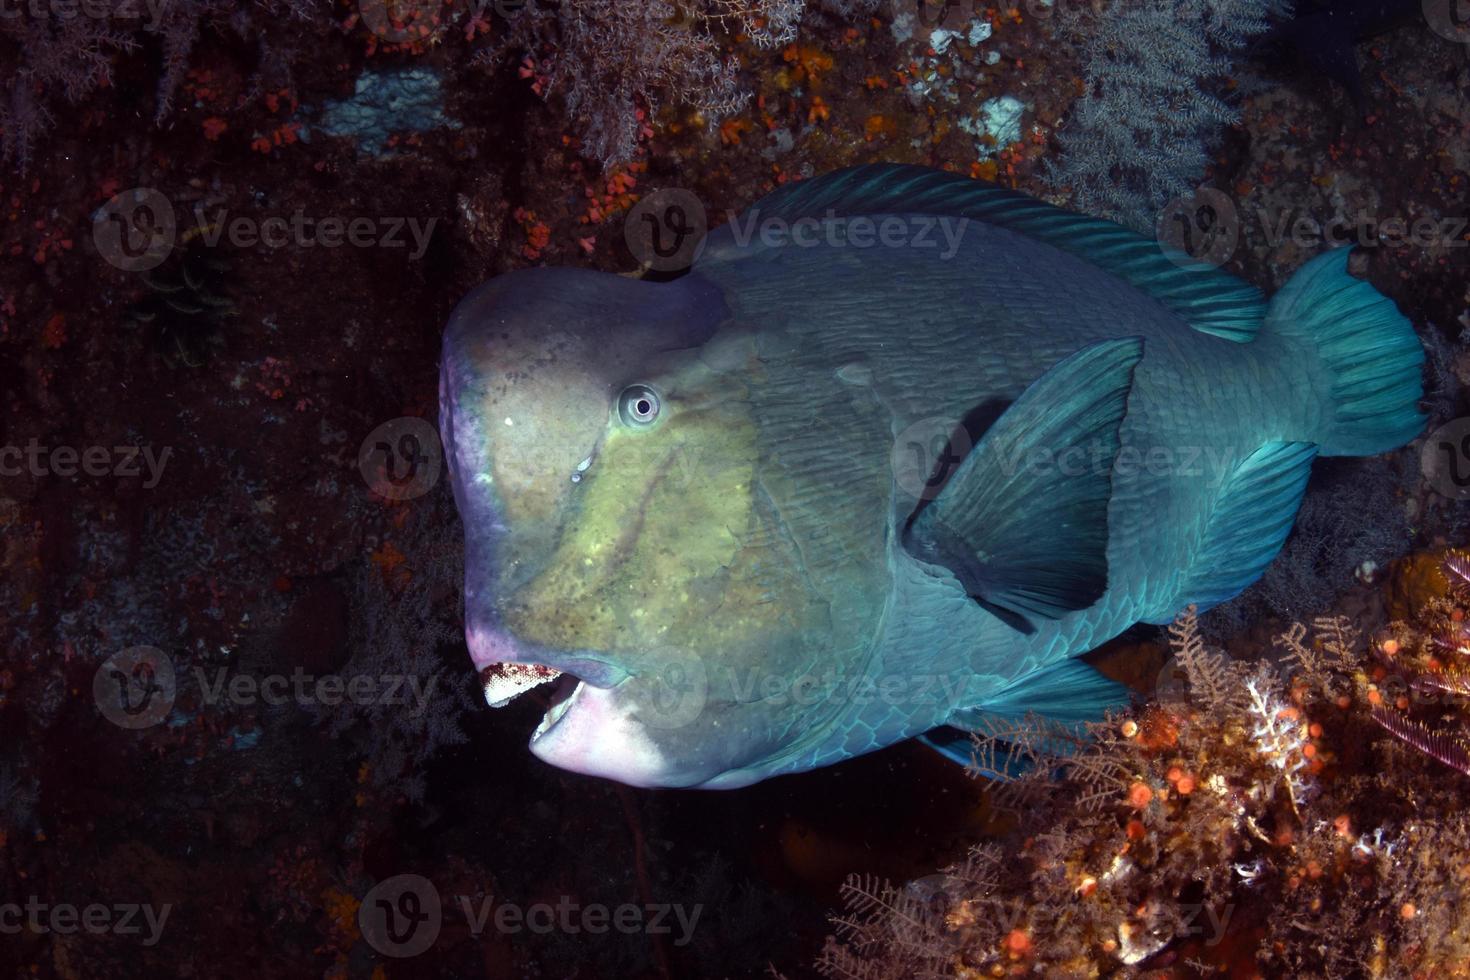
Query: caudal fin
(1368,356)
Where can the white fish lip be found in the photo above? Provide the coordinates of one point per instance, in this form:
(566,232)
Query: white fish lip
(596,732)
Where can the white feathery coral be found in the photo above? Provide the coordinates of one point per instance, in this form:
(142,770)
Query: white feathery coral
(1278,736)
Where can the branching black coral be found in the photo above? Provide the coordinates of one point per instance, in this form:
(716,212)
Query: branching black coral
(1211,680)
(614,62)
(1153,102)
(54,57)
(886,924)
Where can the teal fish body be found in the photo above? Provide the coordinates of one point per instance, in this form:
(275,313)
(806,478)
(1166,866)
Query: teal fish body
(894,452)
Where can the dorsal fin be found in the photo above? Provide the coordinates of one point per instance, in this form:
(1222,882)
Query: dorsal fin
(1209,300)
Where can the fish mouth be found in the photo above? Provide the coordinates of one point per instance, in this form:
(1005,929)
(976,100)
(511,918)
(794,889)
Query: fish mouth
(510,668)
(507,682)
(593,723)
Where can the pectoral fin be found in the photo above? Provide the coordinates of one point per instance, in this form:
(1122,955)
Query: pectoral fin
(1023,521)
(1253,514)
(1070,694)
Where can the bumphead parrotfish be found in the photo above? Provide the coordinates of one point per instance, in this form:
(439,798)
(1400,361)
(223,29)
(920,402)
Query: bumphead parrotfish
(895,450)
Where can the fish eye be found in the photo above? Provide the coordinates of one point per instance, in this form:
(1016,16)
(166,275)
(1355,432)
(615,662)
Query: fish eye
(638,406)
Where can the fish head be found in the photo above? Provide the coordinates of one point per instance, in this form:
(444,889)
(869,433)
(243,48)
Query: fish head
(606,461)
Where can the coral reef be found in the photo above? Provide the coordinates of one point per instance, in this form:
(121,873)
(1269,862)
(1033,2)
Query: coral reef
(1153,103)
(62,53)
(383,104)
(614,63)
(1294,815)
(408,628)
(258,550)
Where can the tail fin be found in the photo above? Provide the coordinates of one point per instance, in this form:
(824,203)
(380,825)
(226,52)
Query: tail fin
(1367,352)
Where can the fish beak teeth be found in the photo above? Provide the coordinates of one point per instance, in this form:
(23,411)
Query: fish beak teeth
(503,683)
